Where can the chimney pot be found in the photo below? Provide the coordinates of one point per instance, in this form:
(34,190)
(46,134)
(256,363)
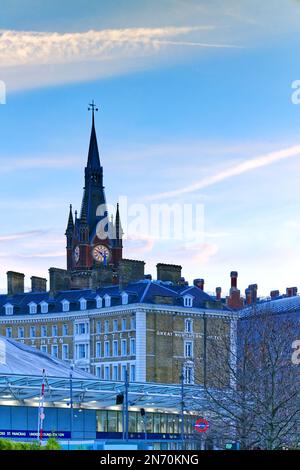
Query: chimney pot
(234,276)
(218,293)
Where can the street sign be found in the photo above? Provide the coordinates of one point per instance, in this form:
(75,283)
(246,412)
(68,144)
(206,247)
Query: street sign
(201,425)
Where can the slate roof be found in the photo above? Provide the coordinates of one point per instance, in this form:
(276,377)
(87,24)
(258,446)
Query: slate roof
(145,291)
(281,305)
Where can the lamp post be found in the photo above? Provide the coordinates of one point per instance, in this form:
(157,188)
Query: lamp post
(71,400)
(182,406)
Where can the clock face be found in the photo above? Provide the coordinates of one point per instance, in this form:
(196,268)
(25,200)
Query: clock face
(76,254)
(101,253)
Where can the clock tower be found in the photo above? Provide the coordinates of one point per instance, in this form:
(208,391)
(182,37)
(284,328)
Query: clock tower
(94,241)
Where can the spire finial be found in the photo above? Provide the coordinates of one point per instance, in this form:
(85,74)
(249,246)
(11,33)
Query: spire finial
(93,107)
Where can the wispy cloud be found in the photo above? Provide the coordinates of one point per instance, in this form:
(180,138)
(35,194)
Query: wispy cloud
(31,48)
(48,58)
(241,168)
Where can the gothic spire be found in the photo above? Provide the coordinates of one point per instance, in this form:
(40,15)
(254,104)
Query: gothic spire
(119,231)
(70,226)
(93,156)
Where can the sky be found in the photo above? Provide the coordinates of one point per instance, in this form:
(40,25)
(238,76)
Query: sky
(195,108)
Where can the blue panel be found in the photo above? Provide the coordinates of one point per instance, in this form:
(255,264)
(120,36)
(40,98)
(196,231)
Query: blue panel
(63,419)
(19,417)
(89,420)
(5,417)
(32,418)
(50,422)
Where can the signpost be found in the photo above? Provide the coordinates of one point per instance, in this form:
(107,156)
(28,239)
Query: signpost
(201,425)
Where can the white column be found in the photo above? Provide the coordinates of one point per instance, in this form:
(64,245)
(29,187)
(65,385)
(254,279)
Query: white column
(140,340)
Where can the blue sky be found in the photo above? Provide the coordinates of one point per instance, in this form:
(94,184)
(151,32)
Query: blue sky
(188,92)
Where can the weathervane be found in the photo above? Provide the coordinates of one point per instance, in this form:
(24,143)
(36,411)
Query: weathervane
(93,107)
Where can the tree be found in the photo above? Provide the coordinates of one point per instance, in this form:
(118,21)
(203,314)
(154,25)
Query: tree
(251,384)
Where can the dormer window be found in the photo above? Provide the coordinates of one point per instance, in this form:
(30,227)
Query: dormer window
(9,309)
(83,303)
(32,307)
(188,300)
(99,301)
(44,307)
(107,300)
(65,305)
(124,297)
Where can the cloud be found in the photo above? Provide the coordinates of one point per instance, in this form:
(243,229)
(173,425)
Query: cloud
(30,48)
(52,57)
(22,235)
(241,168)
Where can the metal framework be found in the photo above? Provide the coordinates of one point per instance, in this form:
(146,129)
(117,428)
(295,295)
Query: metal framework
(98,394)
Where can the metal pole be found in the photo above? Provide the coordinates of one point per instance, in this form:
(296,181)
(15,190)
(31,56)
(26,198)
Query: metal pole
(182,407)
(71,401)
(126,405)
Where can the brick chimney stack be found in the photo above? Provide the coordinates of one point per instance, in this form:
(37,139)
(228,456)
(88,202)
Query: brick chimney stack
(199,283)
(234,299)
(291,291)
(15,283)
(274,294)
(253,288)
(248,294)
(218,293)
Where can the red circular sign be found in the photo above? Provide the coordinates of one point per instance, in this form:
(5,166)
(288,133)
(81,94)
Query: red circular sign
(201,425)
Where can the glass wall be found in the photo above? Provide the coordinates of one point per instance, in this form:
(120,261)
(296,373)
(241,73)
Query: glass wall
(157,423)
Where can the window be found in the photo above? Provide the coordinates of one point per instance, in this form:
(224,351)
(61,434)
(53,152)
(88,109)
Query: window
(83,304)
(106,326)
(189,375)
(82,351)
(115,325)
(115,372)
(124,296)
(132,323)
(124,324)
(124,347)
(32,332)
(188,326)
(106,349)
(65,329)
(54,351)
(98,301)
(188,349)
(188,301)
(44,349)
(8,332)
(43,331)
(132,373)
(65,305)
(98,349)
(107,300)
(21,332)
(98,327)
(124,369)
(32,307)
(9,309)
(98,371)
(54,330)
(65,352)
(115,348)
(107,373)
(82,328)
(44,307)
(132,346)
